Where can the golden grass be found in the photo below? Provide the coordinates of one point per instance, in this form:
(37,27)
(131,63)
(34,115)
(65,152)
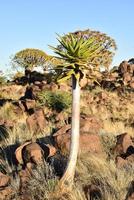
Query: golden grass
(112,182)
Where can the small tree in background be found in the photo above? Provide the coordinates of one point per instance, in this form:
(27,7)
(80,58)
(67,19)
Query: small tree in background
(83,52)
(29,58)
(3,79)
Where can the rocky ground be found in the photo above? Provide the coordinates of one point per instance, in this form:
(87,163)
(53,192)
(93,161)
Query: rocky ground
(35,123)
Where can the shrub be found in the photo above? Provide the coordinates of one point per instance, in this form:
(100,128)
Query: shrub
(55,100)
(2,80)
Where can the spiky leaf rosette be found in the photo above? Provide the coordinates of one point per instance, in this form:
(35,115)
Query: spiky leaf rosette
(83,51)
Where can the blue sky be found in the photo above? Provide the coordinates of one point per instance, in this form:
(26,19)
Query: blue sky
(33,24)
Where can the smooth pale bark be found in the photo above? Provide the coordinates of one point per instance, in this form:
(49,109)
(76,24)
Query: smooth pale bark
(68,175)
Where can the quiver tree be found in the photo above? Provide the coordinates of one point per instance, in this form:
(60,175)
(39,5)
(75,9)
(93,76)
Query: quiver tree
(29,59)
(83,52)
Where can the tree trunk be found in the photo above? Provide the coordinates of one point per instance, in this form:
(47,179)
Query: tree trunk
(69,173)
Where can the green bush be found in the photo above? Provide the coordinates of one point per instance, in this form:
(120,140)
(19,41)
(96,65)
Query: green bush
(55,100)
(2,80)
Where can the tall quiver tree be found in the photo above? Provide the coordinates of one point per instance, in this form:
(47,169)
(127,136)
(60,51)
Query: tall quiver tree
(29,58)
(83,53)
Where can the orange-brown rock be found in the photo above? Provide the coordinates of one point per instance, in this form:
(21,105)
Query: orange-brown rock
(120,162)
(83,82)
(88,142)
(64,87)
(131,197)
(62,130)
(132,84)
(4,180)
(123,67)
(124,142)
(130,158)
(18,152)
(36,122)
(60,117)
(90,124)
(32,153)
(127,77)
(52,150)
(30,103)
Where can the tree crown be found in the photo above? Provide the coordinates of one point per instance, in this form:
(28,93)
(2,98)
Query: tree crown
(29,58)
(83,50)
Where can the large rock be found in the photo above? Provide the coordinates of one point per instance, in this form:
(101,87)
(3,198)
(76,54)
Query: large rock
(36,122)
(18,152)
(127,77)
(90,124)
(32,153)
(120,162)
(124,143)
(124,160)
(4,180)
(88,142)
(64,87)
(123,67)
(29,104)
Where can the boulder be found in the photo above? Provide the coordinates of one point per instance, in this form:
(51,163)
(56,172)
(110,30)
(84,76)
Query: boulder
(64,87)
(123,67)
(4,180)
(29,104)
(83,82)
(32,153)
(88,142)
(127,77)
(132,84)
(131,197)
(120,162)
(130,158)
(18,152)
(52,150)
(124,142)
(36,122)
(90,124)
